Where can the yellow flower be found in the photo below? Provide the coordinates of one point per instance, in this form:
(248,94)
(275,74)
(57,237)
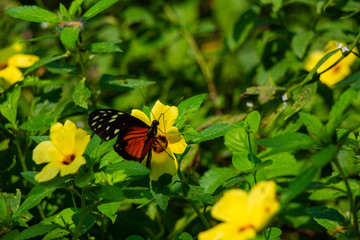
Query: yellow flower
(63,153)
(169,139)
(243,214)
(11,72)
(336,73)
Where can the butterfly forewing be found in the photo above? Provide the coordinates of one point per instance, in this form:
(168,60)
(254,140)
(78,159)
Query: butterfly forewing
(134,136)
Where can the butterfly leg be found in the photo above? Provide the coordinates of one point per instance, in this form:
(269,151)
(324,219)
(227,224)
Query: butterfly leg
(148,160)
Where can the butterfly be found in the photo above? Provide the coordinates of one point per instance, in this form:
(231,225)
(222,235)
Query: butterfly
(135,137)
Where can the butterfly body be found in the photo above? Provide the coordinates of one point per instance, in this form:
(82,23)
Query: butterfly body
(135,138)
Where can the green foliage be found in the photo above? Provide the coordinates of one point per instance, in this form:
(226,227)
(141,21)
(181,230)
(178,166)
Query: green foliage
(246,106)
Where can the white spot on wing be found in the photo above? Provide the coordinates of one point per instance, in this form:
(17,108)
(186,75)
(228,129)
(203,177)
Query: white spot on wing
(107,128)
(116,131)
(112,120)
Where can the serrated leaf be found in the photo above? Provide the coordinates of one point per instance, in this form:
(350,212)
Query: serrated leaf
(44,61)
(56,234)
(69,35)
(298,185)
(237,140)
(304,96)
(104,47)
(39,139)
(242,162)
(329,218)
(187,108)
(110,158)
(216,177)
(312,123)
(284,164)
(112,193)
(300,42)
(37,123)
(33,14)
(60,68)
(98,7)
(83,179)
(161,191)
(110,210)
(198,193)
(89,221)
(323,157)
(74,7)
(93,144)
(129,168)
(214,131)
(103,148)
(34,198)
(8,108)
(64,12)
(252,121)
(36,230)
(81,94)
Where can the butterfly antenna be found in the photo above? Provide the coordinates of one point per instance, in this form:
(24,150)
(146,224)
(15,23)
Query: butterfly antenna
(147,103)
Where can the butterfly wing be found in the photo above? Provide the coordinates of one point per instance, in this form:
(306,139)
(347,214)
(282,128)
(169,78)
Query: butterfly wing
(133,142)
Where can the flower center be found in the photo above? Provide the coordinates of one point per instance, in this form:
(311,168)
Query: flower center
(68,159)
(245,227)
(160,144)
(3,65)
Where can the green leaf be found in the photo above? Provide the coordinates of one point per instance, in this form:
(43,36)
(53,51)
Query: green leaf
(183,236)
(64,12)
(33,14)
(322,158)
(198,193)
(36,230)
(287,142)
(161,191)
(89,221)
(39,139)
(30,176)
(329,218)
(110,158)
(98,7)
(214,131)
(56,234)
(60,68)
(83,179)
(93,144)
(252,121)
(69,35)
(41,38)
(103,148)
(313,124)
(4,144)
(187,108)
(284,164)
(34,198)
(326,194)
(216,177)
(237,140)
(304,96)
(134,237)
(299,185)
(273,233)
(37,123)
(129,168)
(242,28)
(337,111)
(74,7)
(300,42)
(242,162)
(81,94)
(8,108)
(110,210)
(44,61)
(104,47)
(112,193)
(122,83)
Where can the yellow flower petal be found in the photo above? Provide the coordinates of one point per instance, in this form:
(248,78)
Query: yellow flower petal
(73,167)
(45,152)
(63,137)
(81,141)
(165,114)
(177,142)
(162,163)
(11,74)
(231,206)
(22,60)
(140,115)
(47,173)
(227,231)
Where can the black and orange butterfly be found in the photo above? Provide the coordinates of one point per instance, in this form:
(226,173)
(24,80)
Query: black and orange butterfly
(135,137)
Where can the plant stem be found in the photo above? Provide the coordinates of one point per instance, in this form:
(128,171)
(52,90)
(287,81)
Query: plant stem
(251,154)
(81,61)
(82,215)
(351,198)
(205,69)
(193,203)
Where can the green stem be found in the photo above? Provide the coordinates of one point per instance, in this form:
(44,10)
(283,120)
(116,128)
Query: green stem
(193,203)
(353,208)
(21,155)
(82,215)
(251,154)
(81,61)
